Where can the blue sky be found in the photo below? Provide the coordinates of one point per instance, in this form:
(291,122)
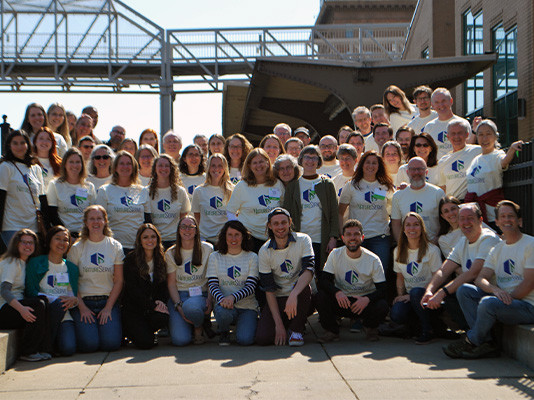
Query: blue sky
(138,112)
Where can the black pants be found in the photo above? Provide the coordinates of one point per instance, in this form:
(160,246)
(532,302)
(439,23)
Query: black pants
(140,328)
(329,309)
(35,335)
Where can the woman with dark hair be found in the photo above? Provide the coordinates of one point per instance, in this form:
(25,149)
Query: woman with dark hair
(368,197)
(99,258)
(56,278)
(192,169)
(168,200)
(99,166)
(145,295)
(44,147)
(398,108)
(216,144)
(150,137)
(16,311)
(236,150)
(189,302)
(255,195)
(70,194)
(286,168)
(21,186)
(145,157)
(392,156)
(232,279)
(57,118)
(422,145)
(449,228)
(273,146)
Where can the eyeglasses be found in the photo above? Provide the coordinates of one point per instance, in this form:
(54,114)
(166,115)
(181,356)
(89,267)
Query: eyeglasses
(327,146)
(27,242)
(422,145)
(310,158)
(87,146)
(235,147)
(104,157)
(187,227)
(119,132)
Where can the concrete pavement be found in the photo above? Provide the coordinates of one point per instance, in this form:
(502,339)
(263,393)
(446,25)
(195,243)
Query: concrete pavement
(349,369)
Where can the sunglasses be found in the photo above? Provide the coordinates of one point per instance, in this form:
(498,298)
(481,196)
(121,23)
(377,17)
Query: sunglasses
(104,157)
(422,145)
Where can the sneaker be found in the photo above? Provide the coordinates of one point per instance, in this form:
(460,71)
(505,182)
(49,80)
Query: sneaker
(224,339)
(371,334)
(328,337)
(456,348)
(32,357)
(425,338)
(485,350)
(163,332)
(356,326)
(45,356)
(295,339)
(200,339)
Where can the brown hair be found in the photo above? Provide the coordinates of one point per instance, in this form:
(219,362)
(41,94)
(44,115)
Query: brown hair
(402,252)
(160,267)
(53,157)
(196,259)
(73,151)
(248,175)
(174,178)
(381,175)
(225,184)
(246,145)
(84,235)
(396,91)
(134,177)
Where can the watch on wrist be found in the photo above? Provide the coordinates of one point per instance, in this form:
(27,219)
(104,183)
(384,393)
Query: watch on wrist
(178,304)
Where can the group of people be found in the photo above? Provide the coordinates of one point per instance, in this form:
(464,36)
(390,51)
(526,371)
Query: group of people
(397,219)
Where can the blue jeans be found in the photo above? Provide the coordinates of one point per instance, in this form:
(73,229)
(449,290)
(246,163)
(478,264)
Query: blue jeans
(245,320)
(93,336)
(62,334)
(194,308)
(6,236)
(381,246)
(482,310)
(400,312)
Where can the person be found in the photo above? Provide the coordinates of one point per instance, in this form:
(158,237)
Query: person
(84,127)
(362,120)
(452,167)
(468,255)
(343,134)
(145,294)
(352,284)
(419,196)
(86,145)
(348,157)
(168,200)
(128,145)
(449,228)
(57,119)
(286,267)
(116,136)
(99,257)
(286,168)
(378,114)
(368,197)
(216,143)
(150,137)
(125,200)
(503,291)
(392,156)
(312,201)
(70,194)
(236,150)
(294,146)
(273,146)
(282,131)
(421,96)
(57,279)
(21,186)
(44,148)
(211,198)
(415,260)
(358,142)
(145,157)
(189,303)
(35,118)
(71,119)
(398,108)
(330,166)
(403,136)
(484,174)
(99,166)
(172,144)
(192,167)
(232,279)
(93,113)
(255,195)
(17,312)
(202,142)
(422,145)
(381,134)
(303,134)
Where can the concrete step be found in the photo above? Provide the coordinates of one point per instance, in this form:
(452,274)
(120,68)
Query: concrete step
(518,343)
(9,341)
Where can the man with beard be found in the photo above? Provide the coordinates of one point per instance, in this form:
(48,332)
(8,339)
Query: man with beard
(328,147)
(421,96)
(352,284)
(116,136)
(420,197)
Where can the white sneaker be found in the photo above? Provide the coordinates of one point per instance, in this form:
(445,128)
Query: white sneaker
(45,356)
(296,339)
(32,357)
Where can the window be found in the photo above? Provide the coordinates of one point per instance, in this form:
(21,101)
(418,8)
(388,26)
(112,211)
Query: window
(425,53)
(473,44)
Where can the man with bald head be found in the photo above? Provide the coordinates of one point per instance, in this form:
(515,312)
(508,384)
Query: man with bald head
(328,148)
(420,197)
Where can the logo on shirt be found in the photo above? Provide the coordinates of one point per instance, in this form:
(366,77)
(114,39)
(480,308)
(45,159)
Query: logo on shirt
(442,136)
(286,266)
(457,166)
(216,202)
(164,205)
(51,280)
(76,200)
(351,277)
(416,207)
(234,180)
(127,201)
(191,189)
(234,272)
(265,200)
(468,264)
(308,195)
(97,258)
(412,268)
(475,171)
(189,268)
(339,193)
(509,266)
(371,197)
(45,172)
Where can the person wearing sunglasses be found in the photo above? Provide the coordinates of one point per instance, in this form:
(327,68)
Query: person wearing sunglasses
(100,166)
(422,145)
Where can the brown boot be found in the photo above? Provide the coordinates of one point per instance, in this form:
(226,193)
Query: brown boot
(371,334)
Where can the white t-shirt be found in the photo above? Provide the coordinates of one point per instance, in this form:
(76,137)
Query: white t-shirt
(369,204)
(71,201)
(232,273)
(235,175)
(465,253)
(438,130)
(311,208)
(126,207)
(145,180)
(188,275)
(509,262)
(370,144)
(285,264)
(253,203)
(191,182)
(19,210)
(61,144)
(424,202)
(340,181)
(398,119)
(210,203)
(98,182)
(96,262)
(418,123)
(48,172)
(13,270)
(418,274)
(485,174)
(402,175)
(447,241)
(355,276)
(55,282)
(452,168)
(330,170)
(166,213)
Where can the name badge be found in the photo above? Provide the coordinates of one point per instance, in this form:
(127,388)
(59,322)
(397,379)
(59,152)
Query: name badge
(195,291)
(62,277)
(274,192)
(82,193)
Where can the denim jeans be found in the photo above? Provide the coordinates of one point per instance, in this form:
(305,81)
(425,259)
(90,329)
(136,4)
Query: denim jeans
(62,334)
(381,246)
(400,312)
(6,236)
(482,311)
(245,320)
(194,308)
(92,336)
